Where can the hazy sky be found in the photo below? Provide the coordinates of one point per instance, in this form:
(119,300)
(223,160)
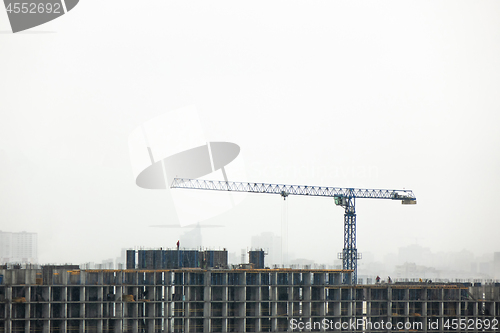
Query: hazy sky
(352,94)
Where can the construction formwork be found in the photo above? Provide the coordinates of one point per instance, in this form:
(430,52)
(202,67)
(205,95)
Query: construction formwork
(222,300)
(256,257)
(176,259)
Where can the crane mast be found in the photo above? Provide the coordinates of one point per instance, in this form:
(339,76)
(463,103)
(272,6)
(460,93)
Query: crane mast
(344,197)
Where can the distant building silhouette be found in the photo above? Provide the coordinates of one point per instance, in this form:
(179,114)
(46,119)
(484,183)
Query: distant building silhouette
(18,247)
(271,244)
(496,264)
(191,239)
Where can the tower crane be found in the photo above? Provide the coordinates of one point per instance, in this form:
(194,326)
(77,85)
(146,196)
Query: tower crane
(344,197)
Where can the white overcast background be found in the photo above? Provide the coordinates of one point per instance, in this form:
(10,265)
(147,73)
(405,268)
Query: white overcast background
(352,94)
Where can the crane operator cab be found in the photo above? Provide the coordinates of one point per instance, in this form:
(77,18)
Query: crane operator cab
(340,201)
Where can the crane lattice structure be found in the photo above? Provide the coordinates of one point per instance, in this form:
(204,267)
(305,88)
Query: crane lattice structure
(344,197)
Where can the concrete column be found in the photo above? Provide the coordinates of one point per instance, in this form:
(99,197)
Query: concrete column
(47,296)
(350,308)
(289,289)
(306,295)
(8,304)
(424,309)
(82,309)
(64,277)
(64,315)
(407,303)
(150,322)
(368,303)
(100,321)
(152,307)
(135,323)
(242,296)
(322,296)
(118,326)
(349,277)
(389,303)
(274,299)
(207,298)
(27,295)
(224,304)
(30,276)
(168,305)
(187,305)
(240,325)
(258,308)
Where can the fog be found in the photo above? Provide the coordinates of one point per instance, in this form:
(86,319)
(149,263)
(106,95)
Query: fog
(371,95)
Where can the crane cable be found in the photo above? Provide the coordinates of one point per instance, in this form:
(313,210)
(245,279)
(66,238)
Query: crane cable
(284,233)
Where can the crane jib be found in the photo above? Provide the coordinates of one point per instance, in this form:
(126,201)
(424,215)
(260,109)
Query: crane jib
(406,196)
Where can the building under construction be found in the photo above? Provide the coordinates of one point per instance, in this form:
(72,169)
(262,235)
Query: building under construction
(214,298)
